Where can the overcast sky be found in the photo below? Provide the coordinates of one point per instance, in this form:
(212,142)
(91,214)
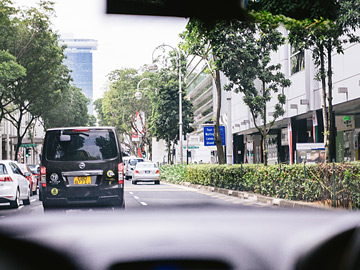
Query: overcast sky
(123,41)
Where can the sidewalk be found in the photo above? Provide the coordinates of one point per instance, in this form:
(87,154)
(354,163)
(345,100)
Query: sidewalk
(259,198)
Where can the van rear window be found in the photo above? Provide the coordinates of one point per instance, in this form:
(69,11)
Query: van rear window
(84,145)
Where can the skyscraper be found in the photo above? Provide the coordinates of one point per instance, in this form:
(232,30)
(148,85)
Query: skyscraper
(79,60)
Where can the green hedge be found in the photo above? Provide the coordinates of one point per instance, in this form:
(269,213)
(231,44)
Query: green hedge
(294,182)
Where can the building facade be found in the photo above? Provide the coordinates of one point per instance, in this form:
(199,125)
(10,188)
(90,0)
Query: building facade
(30,149)
(79,60)
(303,110)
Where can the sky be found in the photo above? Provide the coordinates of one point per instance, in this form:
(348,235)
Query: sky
(123,40)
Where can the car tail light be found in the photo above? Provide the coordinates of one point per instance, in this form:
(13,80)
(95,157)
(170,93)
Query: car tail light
(136,171)
(43,176)
(121,173)
(157,171)
(6,179)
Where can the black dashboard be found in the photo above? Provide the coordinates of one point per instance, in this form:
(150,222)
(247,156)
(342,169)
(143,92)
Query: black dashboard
(182,238)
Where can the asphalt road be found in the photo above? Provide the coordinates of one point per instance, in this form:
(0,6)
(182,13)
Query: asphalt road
(150,196)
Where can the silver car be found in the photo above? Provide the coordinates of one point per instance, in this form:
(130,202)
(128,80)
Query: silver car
(146,172)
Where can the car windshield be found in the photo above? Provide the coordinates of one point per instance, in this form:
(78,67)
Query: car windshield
(252,106)
(89,145)
(146,165)
(133,162)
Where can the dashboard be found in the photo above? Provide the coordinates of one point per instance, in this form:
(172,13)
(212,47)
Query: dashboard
(204,237)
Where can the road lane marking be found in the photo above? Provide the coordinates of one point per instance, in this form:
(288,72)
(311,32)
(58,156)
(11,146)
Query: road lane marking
(156,189)
(33,200)
(131,193)
(20,207)
(143,203)
(136,197)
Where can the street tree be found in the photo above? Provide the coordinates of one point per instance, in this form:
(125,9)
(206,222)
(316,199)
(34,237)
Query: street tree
(198,40)
(70,110)
(10,72)
(323,37)
(250,46)
(36,48)
(119,107)
(165,114)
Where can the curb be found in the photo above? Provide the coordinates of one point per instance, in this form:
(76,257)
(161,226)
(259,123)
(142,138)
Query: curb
(256,197)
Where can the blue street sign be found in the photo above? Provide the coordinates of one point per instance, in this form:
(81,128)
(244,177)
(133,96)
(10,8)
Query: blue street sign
(209,135)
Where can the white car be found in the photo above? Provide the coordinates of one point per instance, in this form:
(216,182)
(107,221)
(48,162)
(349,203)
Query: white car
(13,184)
(146,172)
(130,166)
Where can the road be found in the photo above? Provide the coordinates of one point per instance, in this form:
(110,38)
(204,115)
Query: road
(150,196)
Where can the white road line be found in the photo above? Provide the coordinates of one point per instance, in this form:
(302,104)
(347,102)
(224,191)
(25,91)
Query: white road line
(136,197)
(143,203)
(33,200)
(20,207)
(131,193)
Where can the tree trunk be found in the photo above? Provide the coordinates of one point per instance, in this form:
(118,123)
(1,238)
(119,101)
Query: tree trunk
(217,136)
(331,118)
(264,133)
(325,113)
(169,150)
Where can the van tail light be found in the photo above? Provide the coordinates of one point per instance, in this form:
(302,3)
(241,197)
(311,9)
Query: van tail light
(157,171)
(43,176)
(121,173)
(81,130)
(136,171)
(6,179)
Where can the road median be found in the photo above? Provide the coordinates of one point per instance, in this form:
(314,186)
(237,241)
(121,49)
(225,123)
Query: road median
(256,197)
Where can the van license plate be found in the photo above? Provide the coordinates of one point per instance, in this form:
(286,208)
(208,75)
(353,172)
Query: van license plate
(82,180)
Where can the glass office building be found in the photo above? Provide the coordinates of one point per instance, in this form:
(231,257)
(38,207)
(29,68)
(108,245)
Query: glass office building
(79,60)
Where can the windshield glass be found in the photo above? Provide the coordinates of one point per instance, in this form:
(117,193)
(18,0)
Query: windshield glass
(255,107)
(90,145)
(146,165)
(133,162)
(3,169)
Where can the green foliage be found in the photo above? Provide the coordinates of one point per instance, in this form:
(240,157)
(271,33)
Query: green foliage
(200,40)
(70,110)
(300,182)
(27,35)
(173,173)
(298,9)
(118,107)
(165,115)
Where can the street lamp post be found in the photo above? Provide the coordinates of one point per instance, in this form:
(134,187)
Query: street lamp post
(138,94)
(177,54)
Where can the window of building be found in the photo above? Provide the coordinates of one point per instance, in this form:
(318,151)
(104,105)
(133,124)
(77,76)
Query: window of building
(297,60)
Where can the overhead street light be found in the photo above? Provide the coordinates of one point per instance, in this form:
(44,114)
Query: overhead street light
(177,54)
(138,94)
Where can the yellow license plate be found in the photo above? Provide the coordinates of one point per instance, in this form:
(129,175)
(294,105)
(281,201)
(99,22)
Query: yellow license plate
(82,180)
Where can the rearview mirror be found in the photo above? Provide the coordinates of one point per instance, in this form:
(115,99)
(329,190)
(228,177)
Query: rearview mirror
(65,138)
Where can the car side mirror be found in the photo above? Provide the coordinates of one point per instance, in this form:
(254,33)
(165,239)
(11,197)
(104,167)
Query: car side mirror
(65,138)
